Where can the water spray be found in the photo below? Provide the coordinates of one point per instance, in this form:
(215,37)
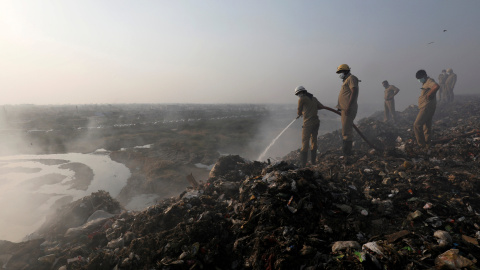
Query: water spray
(442,140)
(328,109)
(274,140)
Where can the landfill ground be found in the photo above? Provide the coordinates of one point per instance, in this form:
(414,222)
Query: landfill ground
(394,207)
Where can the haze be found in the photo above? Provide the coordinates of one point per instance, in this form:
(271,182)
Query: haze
(76,52)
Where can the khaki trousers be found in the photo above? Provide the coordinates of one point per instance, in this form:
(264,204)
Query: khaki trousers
(347,124)
(449,94)
(310,134)
(389,110)
(443,93)
(423,124)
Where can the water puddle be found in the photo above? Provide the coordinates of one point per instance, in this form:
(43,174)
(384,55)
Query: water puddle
(31,185)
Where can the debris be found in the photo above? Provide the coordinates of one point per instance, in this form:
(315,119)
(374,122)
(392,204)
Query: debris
(470,240)
(414,215)
(387,209)
(443,238)
(452,260)
(192,180)
(342,245)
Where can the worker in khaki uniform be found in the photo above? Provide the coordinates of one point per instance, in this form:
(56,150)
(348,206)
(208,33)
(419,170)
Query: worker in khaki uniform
(347,105)
(390,92)
(427,103)
(442,78)
(450,84)
(308,107)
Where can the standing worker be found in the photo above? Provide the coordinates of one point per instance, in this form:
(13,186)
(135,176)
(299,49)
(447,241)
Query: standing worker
(347,105)
(308,106)
(427,103)
(442,96)
(450,84)
(390,92)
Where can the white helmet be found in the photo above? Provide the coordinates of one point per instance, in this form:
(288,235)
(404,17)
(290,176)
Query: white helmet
(299,89)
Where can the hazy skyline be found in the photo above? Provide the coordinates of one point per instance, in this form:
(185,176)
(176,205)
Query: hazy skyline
(76,52)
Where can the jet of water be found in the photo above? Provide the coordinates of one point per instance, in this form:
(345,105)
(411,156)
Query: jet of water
(274,140)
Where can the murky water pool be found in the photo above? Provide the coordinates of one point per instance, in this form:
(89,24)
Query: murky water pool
(30,185)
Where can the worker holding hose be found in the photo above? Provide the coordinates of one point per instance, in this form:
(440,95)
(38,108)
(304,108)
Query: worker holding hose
(427,103)
(308,107)
(347,105)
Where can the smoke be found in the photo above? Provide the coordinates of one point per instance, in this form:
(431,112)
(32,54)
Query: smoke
(278,118)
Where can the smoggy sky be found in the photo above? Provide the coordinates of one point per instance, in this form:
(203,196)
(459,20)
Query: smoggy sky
(249,51)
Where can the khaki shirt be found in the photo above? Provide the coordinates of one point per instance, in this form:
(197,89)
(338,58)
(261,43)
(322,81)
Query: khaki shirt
(308,107)
(423,101)
(442,78)
(451,80)
(390,92)
(346,92)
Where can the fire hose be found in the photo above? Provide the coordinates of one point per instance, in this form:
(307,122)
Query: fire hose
(358,131)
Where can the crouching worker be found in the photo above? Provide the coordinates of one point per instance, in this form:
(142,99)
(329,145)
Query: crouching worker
(308,106)
(427,103)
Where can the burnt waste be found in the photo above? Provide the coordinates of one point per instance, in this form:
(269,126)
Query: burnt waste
(397,208)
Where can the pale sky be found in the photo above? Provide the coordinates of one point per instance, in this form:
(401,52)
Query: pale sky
(249,51)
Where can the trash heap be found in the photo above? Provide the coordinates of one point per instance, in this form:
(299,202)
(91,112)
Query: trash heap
(450,120)
(401,208)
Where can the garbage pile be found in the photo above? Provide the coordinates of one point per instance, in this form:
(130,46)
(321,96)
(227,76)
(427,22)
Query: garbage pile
(402,208)
(450,120)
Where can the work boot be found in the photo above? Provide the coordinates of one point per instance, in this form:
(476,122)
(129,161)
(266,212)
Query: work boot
(347,148)
(313,156)
(303,159)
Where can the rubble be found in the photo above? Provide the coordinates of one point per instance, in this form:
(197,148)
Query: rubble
(400,208)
